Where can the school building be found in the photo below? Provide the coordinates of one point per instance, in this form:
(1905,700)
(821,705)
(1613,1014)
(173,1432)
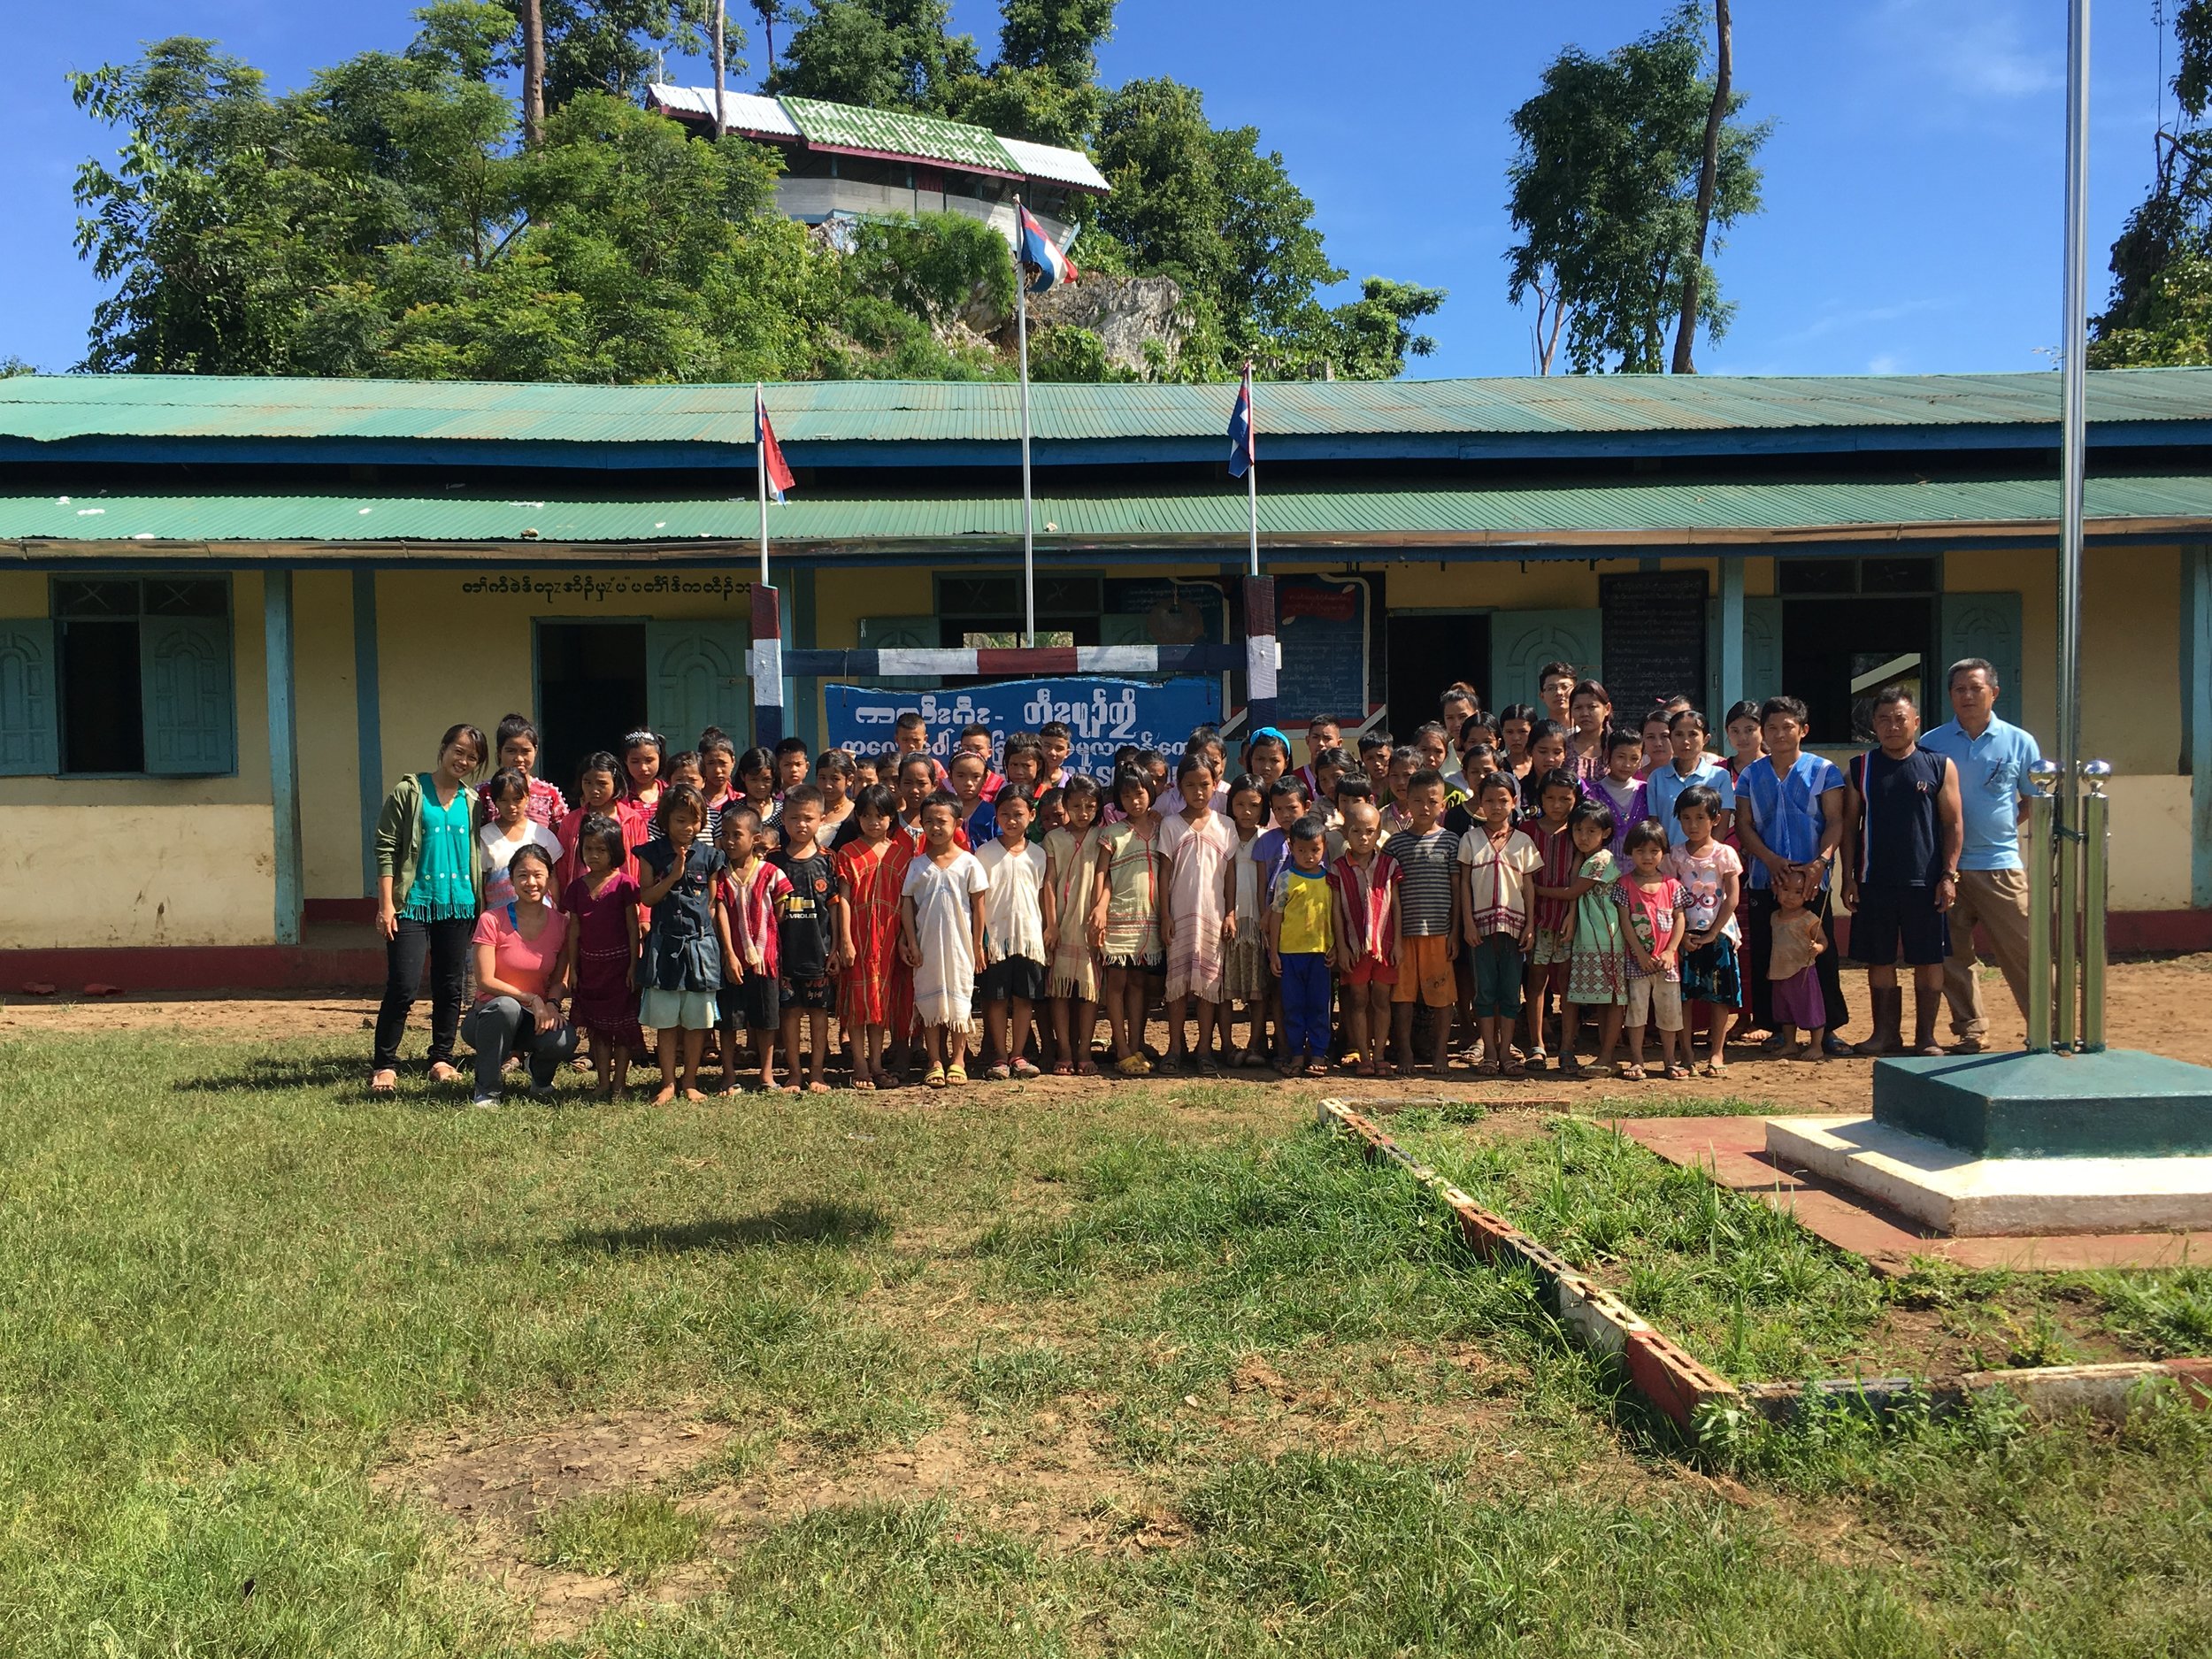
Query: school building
(232,612)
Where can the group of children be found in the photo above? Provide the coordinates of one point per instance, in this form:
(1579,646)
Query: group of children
(1353,911)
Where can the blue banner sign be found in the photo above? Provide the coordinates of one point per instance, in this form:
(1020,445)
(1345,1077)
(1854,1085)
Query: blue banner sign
(1101,715)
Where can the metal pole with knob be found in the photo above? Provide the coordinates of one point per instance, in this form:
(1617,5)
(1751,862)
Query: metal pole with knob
(2041,811)
(2096,813)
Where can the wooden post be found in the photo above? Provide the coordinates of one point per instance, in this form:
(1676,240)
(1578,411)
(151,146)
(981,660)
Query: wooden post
(533,72)
(284,756)
(768,729)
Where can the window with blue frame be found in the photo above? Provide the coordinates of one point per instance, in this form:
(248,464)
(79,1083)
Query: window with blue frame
(129,676)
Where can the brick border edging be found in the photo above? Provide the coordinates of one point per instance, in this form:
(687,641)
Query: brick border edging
(1676,1384)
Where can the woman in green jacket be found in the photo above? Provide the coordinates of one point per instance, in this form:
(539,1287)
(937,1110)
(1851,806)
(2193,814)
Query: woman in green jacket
(429,886)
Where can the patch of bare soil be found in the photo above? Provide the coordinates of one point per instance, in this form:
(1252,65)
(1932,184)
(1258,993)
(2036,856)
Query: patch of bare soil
(497,1487)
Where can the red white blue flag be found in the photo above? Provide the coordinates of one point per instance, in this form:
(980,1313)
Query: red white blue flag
(1241,454)
(772,463)
(1039,250)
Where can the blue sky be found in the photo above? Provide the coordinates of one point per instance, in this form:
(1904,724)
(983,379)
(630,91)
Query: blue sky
(1912,183)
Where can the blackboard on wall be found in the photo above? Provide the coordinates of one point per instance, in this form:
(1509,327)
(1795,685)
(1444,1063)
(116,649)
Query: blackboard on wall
(1321,626)
(1655,637)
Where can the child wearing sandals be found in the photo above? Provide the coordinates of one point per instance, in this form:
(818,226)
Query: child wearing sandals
(1800,1006)
(1072,869)
(1300,940)
(681,967)
(1711,872)
(1367,932)
(1597,949)
(941,922)
(1017,935)
(876,995)
(1654,904)
(1196,843)
(1244,951)
(1126,916)
(745,904)
(812,935)
(1497,918)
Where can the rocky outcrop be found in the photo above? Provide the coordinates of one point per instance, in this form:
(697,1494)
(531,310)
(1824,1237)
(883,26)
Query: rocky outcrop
(1124,312)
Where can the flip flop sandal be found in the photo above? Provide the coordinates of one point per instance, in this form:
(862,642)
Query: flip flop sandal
(999,1073)
(1716,1068)
(1631,1074)
(1207,1067)
(1677,1074)
(934,1077)
(1025,1069)
(1062,1068)
(1088,1068)
(955,1074)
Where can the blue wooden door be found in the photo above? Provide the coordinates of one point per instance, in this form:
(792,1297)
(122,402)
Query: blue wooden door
(697,677)
(1986,626)
(30,741)
(1522,642)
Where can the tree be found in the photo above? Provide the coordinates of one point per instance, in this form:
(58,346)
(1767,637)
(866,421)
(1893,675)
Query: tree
(1708,178)
(1604,188)
(380,222)
(2160,252)
(882,54)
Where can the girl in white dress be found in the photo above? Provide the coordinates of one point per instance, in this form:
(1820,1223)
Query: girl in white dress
(941,919)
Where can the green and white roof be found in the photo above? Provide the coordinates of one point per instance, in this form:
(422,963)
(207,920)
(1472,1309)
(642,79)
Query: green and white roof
(894,134)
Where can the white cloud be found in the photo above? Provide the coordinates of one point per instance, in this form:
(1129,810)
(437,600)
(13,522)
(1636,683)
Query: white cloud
(1864,317)
(1887,362)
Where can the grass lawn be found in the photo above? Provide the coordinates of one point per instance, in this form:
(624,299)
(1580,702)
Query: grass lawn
(283,1371)
(1760,1298)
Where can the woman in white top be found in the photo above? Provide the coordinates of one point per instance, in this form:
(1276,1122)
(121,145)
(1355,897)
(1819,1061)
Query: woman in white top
(511,829)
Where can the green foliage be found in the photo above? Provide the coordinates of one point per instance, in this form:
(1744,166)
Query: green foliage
(1604,194)
(383,220)
(884,54)
(635,1535)
(940,267)
(2155,313)
(380,222)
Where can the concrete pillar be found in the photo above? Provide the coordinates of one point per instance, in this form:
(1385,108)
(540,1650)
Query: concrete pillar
(284,758)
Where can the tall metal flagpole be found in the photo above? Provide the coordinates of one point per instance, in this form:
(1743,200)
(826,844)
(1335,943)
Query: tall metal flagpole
(2073,426)
(1029,537)
(1252,467)
(760,474)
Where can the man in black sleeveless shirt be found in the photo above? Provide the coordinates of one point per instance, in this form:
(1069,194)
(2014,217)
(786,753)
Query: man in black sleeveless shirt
(1902,830)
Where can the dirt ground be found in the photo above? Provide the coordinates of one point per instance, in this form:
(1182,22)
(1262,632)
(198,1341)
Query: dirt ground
(2163,1005)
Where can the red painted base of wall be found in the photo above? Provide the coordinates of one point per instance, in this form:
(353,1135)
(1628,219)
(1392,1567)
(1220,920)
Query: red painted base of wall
(358,966)
(195,968)
(317,912)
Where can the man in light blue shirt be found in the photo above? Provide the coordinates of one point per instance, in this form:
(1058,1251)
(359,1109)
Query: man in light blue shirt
(1993,758)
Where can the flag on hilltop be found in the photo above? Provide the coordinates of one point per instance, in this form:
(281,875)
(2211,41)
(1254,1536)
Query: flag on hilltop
(773,467)
(1240,450)
(1038,249)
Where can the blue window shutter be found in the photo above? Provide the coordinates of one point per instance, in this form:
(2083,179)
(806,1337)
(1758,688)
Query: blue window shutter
(1986,626)
(1762,653)
(1522,642)
(697,676)
(185,685)
(30,743)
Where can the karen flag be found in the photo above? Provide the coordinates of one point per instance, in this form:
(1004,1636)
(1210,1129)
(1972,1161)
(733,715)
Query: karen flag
(1053,266)
(1240,451)
(774,469)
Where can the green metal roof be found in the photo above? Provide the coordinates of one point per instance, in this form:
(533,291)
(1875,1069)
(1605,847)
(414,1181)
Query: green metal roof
(56,408)
(896,133)
(1671,514)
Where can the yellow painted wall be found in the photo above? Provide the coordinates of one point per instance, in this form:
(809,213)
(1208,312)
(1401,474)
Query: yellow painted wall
(457,646)
(96,862)
(92,878)
(2150,843)
(23,594)
(329,734)
(2130,658)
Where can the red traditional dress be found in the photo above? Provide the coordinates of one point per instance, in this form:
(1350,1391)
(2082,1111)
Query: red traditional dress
(877,988)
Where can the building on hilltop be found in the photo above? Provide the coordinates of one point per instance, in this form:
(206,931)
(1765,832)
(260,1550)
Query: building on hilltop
(843,161)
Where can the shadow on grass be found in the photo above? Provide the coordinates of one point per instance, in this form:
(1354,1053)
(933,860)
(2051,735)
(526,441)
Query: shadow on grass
(273,1072)
(840,1225)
